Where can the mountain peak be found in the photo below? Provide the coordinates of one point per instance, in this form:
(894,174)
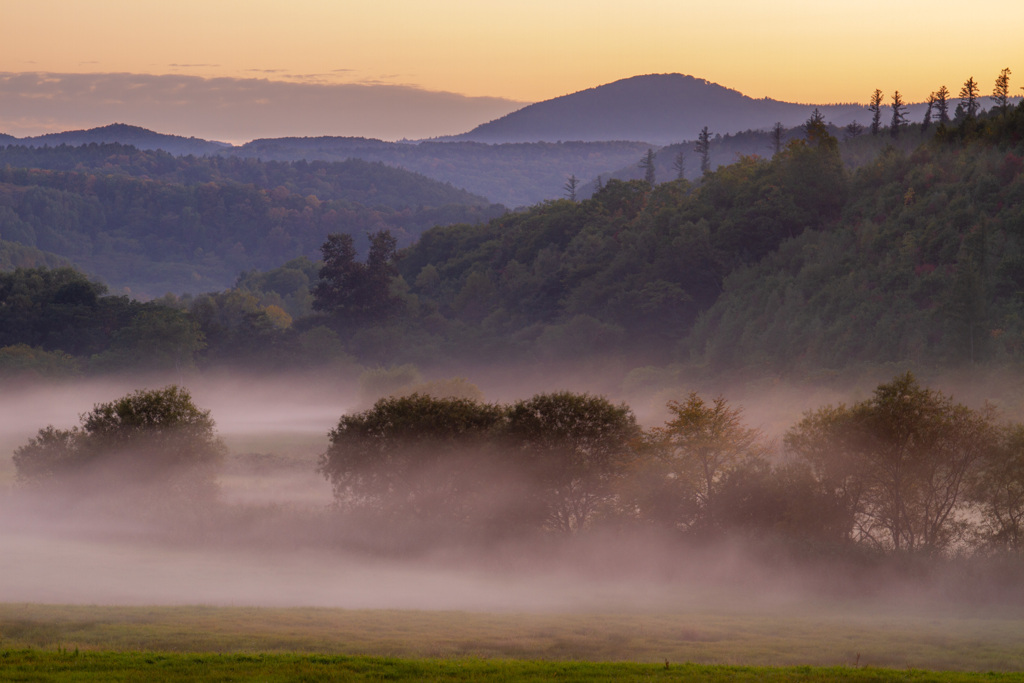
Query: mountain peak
(655,108)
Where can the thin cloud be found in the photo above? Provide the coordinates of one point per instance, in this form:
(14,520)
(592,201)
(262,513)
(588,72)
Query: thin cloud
(304,77)
(236,109)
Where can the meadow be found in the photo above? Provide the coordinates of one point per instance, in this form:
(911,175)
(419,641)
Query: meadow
(76,666)
(280,607)
(798,641)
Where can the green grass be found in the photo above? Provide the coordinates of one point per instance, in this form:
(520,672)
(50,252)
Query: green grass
(784,638)
(33,665)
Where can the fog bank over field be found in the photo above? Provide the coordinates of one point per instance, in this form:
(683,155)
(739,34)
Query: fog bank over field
(271,537)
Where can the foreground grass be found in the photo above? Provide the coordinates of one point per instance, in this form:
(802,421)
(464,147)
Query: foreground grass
(33,665)
(842,638)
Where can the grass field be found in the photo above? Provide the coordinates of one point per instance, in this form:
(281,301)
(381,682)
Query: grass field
(30,665)
(847,641)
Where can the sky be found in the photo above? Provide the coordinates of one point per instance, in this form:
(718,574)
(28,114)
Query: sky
(234,70)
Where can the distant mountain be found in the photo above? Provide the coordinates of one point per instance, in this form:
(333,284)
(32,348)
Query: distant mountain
(658,108)
(126,135)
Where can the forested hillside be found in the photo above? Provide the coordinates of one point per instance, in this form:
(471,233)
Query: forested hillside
(685,159)
(627,271)
(155,223)
(927,263)
(512,174)
(792,263)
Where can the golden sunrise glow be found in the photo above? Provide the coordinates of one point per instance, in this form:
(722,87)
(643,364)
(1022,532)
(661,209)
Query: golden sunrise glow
(529,50)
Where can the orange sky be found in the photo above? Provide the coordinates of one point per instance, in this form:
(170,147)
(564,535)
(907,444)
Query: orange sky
(818,51)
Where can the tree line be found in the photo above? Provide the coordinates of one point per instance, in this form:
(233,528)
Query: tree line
(906,470)
(938,102)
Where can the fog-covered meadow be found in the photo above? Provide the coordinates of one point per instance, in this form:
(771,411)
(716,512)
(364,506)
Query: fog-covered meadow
(272,535)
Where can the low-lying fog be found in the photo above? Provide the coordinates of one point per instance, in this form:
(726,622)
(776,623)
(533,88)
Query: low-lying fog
(271,538)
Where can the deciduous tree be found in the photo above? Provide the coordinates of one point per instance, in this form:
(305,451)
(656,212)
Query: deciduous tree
(356,292)
(149,436)
(577,448)
(699,447)
(998,490)
(900,461)
(414,457)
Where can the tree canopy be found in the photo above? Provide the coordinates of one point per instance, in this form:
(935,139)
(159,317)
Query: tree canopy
(147,437)
(900,461)
(904,471)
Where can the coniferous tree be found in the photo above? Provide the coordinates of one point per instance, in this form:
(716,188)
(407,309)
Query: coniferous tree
(1001,93)
(875,107)
(942,104)
(647,164)
(969,98)
(778,136)
(899,116)
(570,187)
(679,164)
(816,120)
(703,148)
(928,113)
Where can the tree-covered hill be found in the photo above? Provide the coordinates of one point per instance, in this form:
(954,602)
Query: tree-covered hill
(515,175)
(628,270)
(122,134)
(155,223)
(790,263)
(786,262)
(351,179)
(926,264)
